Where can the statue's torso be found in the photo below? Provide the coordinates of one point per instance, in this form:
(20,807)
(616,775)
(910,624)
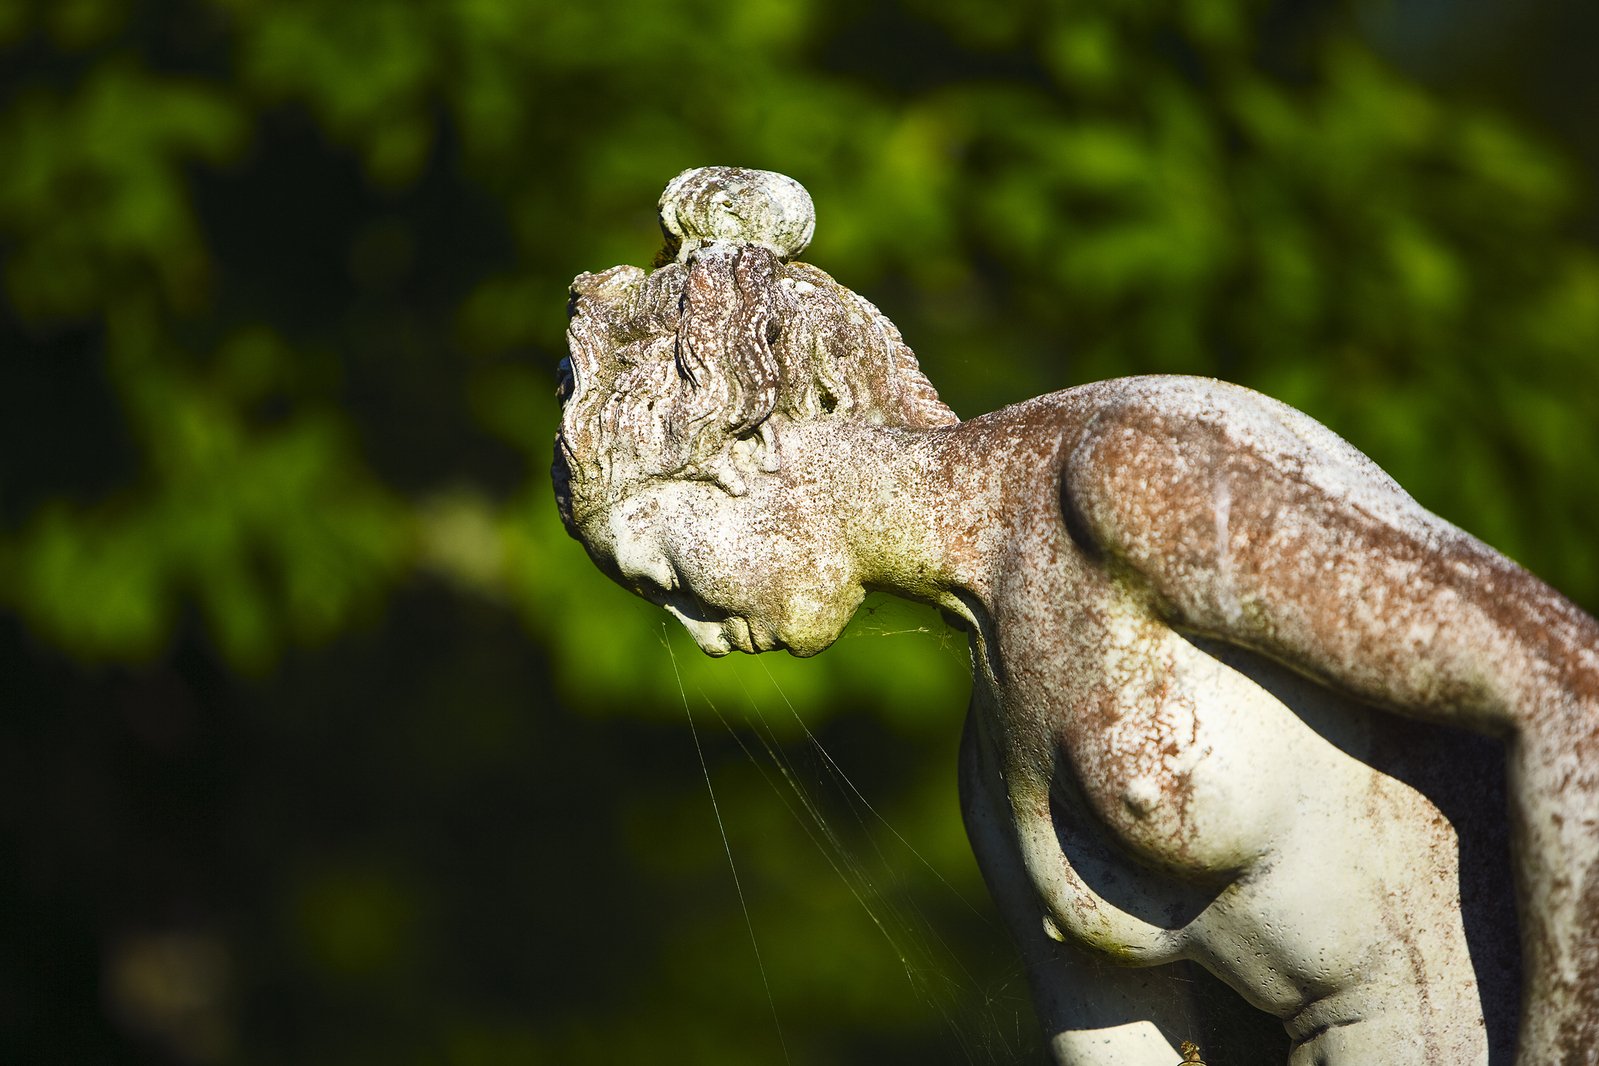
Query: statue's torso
(1183,799)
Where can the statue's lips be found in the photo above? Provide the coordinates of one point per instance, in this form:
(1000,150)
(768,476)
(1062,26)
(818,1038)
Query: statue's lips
(739,635)
(718,638)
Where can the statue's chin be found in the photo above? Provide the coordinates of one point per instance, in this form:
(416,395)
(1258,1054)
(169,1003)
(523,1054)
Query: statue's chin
(812,625)
(805,647)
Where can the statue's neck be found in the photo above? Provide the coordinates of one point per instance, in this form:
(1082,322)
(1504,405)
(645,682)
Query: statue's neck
(917,522)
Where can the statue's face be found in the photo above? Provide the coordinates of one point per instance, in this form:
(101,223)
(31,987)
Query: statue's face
(737,572)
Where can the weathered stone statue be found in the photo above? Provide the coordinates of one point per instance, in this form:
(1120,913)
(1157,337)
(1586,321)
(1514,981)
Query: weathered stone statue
(1191,611)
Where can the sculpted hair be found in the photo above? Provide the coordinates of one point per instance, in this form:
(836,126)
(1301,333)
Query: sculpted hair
(690,371)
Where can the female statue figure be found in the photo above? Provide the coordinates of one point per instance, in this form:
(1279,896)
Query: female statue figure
(1192,612)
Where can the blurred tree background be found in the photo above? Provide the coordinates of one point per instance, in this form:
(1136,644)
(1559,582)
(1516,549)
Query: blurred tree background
(322,744)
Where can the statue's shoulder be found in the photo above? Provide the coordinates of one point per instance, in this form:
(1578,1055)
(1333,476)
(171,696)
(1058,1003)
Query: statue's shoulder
(1208,416)
(1170,437)
(1172,444)
(1172,405)
(1178,397)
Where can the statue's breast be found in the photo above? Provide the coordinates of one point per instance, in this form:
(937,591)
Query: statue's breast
(1176,797)
(1189,762)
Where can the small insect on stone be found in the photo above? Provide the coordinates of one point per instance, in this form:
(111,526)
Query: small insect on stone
(1190,1052)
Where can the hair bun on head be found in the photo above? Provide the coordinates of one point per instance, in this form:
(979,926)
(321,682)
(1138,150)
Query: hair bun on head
(736,205)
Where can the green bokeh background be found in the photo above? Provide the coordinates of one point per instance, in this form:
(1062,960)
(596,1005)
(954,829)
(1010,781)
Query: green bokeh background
(321,743)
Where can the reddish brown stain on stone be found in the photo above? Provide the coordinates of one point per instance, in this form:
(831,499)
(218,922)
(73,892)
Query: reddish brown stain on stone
(1075,535)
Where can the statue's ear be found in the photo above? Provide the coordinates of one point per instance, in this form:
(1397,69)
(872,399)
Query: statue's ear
(767,456)
(730,467)
(719,470)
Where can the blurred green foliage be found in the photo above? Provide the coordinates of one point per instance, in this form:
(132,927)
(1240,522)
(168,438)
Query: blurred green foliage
(298,660)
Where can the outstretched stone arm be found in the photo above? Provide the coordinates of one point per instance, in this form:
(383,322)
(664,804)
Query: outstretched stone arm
(1243,519)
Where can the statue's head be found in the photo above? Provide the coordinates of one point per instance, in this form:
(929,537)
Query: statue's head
(683,380)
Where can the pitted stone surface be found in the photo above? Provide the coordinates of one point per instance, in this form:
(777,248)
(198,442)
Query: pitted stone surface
(737,205)
(1191,611)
